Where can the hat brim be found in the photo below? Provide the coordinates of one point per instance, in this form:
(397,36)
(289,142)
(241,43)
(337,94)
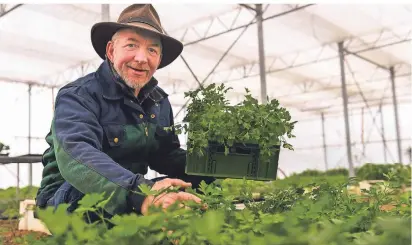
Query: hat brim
(101,34)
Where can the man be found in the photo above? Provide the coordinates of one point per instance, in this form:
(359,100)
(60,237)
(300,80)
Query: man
(108,126)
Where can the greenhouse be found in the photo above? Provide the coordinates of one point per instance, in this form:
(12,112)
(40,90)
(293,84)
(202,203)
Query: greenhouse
(342,72)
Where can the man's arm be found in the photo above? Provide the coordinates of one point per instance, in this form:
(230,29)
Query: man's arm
(77,138)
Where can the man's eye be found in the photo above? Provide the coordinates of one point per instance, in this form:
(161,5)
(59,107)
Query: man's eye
(152,50)
(131,45)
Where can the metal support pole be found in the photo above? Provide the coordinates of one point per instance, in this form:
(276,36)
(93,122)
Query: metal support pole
(345,109)
(363,131)
(29,140)
(262,66)
(52,93)
(395,108)
(325,151)
(105,12)
(383,134)
(18,182)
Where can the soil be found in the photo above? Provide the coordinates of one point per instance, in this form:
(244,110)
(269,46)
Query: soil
(10,235)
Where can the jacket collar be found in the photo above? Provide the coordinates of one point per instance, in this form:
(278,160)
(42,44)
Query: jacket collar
(114,88)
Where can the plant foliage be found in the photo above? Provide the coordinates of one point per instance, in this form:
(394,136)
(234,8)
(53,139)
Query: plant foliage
(210,118)
(324,214)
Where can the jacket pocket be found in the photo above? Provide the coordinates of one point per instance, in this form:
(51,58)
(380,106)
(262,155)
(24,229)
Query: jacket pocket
(115,134)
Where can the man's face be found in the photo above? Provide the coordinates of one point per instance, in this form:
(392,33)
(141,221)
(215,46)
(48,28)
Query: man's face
(135,56)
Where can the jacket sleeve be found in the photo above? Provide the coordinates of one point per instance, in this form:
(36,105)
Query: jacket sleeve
(77,138)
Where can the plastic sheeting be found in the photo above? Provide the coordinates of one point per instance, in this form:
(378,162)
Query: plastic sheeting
(49,45)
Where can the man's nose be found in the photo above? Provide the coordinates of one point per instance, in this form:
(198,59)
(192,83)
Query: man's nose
(141,56)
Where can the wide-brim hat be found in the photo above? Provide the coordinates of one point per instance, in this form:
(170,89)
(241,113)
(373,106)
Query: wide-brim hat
(141,17)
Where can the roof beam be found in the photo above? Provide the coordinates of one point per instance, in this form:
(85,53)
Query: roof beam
(235,74)
(274,63)
(366,59)
(45,50)
(65,12)
(214,53)
(61,78)
(310,19)
(248,71)
(359,103)
(330,86)
(355,109)
(72,73)
(27,82)
(235,96)
(248,7)
(31,158)
(4,11)
(232,28)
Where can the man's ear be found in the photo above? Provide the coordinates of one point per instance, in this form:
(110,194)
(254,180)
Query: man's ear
(110,50)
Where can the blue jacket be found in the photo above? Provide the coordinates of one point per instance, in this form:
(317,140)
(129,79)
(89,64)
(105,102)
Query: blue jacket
(103,139)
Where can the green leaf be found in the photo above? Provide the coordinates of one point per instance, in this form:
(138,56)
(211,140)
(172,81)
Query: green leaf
(90,200)
(146,190)
(203,187)
(102,204)
(183,240)
(59,216)
(81,230)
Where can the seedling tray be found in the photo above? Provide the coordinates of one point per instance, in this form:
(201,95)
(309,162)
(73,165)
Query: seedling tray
(242,161)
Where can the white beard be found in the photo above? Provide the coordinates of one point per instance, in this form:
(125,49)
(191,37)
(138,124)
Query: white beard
(130,84)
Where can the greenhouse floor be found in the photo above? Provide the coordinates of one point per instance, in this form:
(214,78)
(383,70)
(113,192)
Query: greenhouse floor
(10,235)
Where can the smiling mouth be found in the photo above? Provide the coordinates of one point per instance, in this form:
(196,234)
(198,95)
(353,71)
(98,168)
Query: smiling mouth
(138,70)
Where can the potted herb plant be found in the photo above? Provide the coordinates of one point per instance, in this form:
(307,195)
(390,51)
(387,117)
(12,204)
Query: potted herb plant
(236,141)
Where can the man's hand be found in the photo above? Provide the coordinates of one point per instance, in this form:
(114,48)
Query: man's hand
(166,199)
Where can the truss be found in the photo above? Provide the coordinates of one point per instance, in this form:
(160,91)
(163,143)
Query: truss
(72,73)
(292,61)
(225,23)
(7,8)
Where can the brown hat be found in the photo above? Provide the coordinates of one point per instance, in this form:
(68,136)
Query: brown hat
(140,17)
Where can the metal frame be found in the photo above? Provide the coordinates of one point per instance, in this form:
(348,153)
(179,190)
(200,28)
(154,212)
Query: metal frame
(80,70)
(314,147)
(383,134)
(325,150)
(262,66)
(37,84)
(29,139)
(220,60)
(345,109)
(250,70)
(337,109)
(268,65)
(4,9)
(30,158)
(395,107)
(233,27)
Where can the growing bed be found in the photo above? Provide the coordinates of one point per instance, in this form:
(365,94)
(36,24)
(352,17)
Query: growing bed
(296,210)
